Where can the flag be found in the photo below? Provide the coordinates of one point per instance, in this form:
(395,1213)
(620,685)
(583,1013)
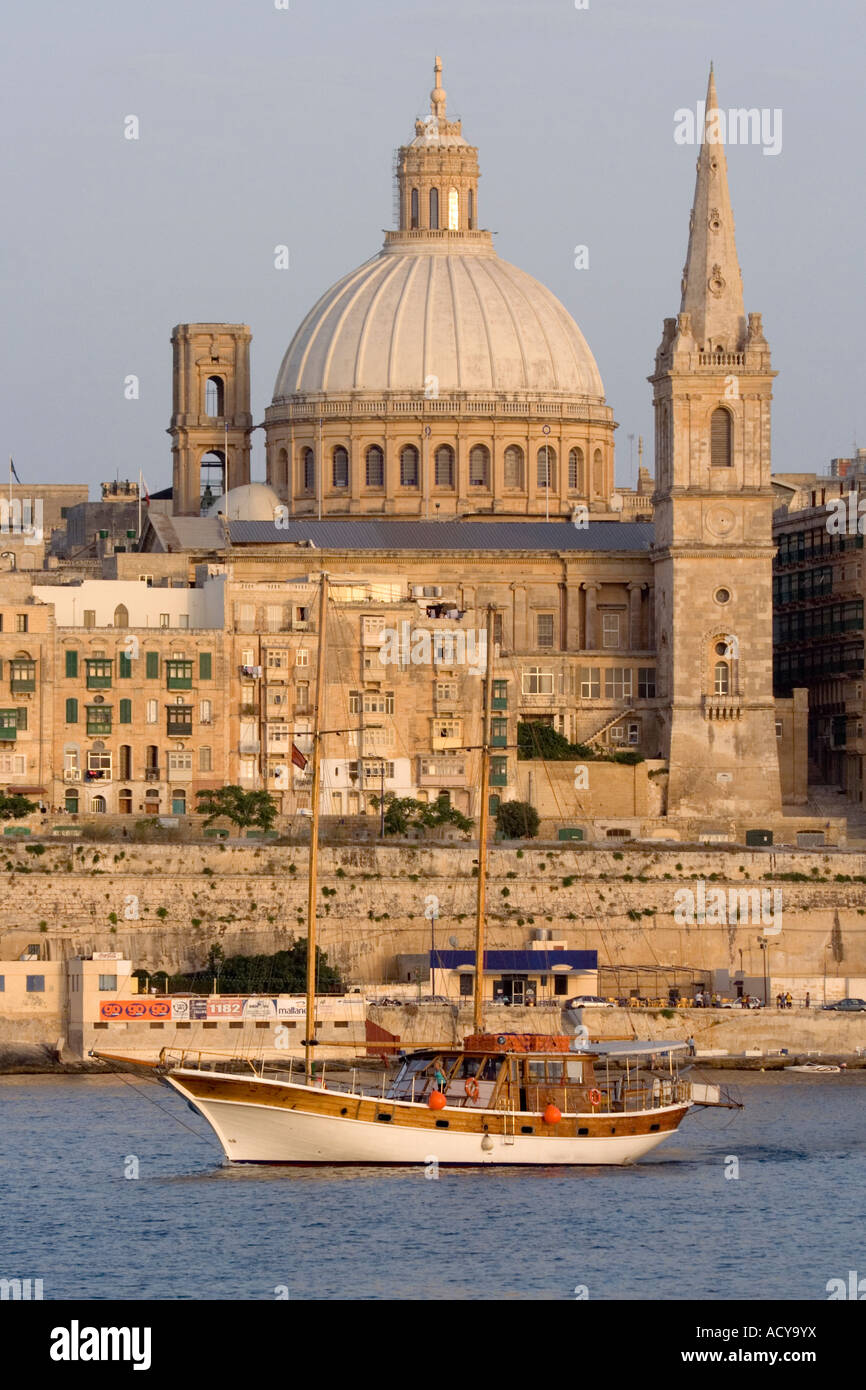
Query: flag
(298,758)
(144,488)
(13,472)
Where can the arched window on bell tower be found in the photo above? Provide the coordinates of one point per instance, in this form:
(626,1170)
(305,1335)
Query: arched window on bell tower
(470,210)
(214,397)
(453,210)
(721,439)
(434,209)
(413,222)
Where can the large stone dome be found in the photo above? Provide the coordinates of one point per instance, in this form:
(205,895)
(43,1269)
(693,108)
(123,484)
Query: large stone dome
(249,502)
(441,307)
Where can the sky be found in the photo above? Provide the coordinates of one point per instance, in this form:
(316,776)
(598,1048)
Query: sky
(262,126)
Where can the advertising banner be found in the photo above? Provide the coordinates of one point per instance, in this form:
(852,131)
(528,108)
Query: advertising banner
(135,1011)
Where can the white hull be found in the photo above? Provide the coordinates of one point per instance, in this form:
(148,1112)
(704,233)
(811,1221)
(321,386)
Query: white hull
(251,1133)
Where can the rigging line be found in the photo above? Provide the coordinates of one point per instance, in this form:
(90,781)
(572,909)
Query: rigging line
(164,1109)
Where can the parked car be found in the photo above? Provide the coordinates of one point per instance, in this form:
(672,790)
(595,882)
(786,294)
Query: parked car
(847,1006)
(588,1001)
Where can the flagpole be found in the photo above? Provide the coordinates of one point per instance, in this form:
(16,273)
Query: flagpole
(140,481)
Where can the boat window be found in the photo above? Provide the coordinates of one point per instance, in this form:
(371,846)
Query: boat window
(490,1069)
(536,1071)
(574,1070)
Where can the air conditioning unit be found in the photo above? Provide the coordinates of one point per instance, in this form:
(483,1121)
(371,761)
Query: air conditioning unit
(72,774)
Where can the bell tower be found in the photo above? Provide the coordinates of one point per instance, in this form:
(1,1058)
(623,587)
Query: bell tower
(438,174)
(211,420)
(713,508)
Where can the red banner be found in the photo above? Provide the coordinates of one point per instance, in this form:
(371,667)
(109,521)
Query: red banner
(134,1010)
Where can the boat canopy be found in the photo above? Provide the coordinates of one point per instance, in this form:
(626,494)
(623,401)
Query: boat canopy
(627,1048)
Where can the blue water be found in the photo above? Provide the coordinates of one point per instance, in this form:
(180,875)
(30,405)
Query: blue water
(671,1227)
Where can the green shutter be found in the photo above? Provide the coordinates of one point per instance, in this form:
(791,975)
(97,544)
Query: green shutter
(205,666)
(152,665)
(124,666)
(125,716)
(71,705)
(72,663)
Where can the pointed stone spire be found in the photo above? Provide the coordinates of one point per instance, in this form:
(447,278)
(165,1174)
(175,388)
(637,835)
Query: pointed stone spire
(712,282)
(437,96)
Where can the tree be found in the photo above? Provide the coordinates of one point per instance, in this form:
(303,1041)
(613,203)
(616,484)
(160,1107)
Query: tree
(285,972)
(517,820)
(404,813)
(15,806)
(242,808)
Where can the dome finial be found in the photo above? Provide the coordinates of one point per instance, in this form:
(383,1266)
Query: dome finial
(437,96)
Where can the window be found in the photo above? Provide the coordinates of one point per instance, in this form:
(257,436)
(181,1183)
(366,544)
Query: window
(151,712)
(720,439)
(544,629)
(165,620)
(443,466)
(778,728)
(610,626)
(590,682)
(277,659)
(514,466)
(722,681)
(537,681)
(121,615)
(498,772)
(371,701)
(479,466)
(179,762)
(89,618)
(205,666)
(546,466)
(178,674)
(617,683)
(302,657)
(453,210)
(409,466)
(470,205)
(375,466)
(178,721)
(646,682)
(151,665)
(15,764)
(71,664)
(124,666)
(21,718)
(98,673)
(205,712)
(575,470)
(107,982)
(124,713)
(307,471)
(450,729)
(434,209)
(22,675)
(205,760)
(35,984)
(72,711)
(413,214)
(340,467)
(21,622)
(214,395)
(446,692)
(98,719)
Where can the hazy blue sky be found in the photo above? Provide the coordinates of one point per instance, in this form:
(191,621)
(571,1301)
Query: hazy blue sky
(261,126)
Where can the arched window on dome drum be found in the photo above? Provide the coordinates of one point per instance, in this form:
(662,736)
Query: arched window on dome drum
(470,208)
(720,439)
(722,678)
(479,466)
(514,466)
(413,215)
(453,210)
(214,396)
(575,470)
(444,466)
(307,471)
(340,467)
(547,466)
(408,466)
(121,615)
(598,473)
(375,461)
(282,469)
(434,209)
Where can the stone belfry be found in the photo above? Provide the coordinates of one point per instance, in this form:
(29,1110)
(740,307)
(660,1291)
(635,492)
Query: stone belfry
(713,506)
(438,173)
(211,420)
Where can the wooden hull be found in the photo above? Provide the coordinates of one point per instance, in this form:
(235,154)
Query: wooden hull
(260,1121)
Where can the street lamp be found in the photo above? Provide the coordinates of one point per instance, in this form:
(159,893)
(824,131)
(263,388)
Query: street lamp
(764,944)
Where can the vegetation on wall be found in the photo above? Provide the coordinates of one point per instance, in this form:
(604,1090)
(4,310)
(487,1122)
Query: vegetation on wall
(232,803)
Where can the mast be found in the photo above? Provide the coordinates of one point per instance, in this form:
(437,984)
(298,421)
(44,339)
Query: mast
(478,1000)
(310,1039)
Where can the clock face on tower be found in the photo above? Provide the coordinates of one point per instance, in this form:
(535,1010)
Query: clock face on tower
(720,521)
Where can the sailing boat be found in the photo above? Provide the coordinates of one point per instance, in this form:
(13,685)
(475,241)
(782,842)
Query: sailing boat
(511,1098)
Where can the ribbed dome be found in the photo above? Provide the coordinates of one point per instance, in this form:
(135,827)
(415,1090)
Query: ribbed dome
(249,502)
(439,307)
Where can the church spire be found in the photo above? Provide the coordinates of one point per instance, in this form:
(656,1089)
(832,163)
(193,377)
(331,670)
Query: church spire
(712,282)
(437,96)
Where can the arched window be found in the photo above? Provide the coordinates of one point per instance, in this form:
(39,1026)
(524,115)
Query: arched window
(514,466)
(444,466)
(479,466)
(97,805)
(546,466)
(598,473)
(434,209)
(408,466)
(125,769)
(212,473)
(214,396)
(283,469)
(413,216)
(720,439)
(453,210)
(121,615)
(340,467)
(722,678)
(575,470)
(375,461)
(307,478)
(470,208)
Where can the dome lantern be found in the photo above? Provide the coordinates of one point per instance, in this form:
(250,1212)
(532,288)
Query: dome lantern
(437,173)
